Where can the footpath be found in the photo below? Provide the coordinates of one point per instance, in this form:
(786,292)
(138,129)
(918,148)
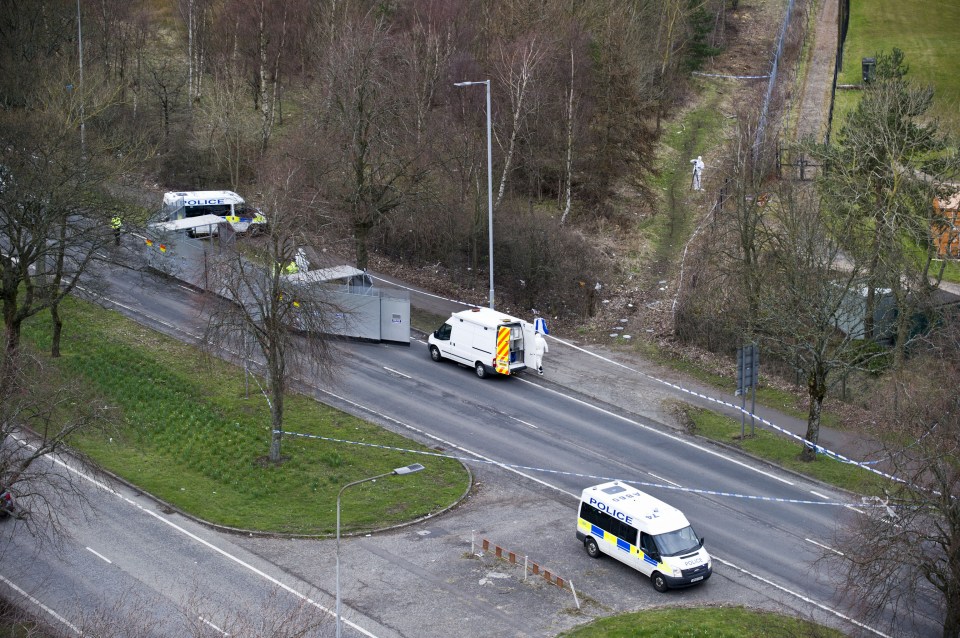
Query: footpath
(631,385)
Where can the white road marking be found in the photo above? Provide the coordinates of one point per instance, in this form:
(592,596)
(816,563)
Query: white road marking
(857,510)
(397,372)
(210,624)
(100,556)
(826,498)
(525,423)
(821,545)
(41,606)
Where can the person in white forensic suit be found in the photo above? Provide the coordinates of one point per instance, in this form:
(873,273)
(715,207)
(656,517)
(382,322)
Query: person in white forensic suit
(539,348)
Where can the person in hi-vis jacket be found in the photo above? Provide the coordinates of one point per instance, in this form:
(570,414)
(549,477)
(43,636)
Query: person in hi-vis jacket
(539,348)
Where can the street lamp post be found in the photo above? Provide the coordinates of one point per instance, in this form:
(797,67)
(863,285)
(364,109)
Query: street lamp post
(400,471)
(489,182)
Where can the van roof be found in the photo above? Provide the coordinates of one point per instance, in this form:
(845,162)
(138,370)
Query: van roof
(648,513)
(486,317)
(228,197)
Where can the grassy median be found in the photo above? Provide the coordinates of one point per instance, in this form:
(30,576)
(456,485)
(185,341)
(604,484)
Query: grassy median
(715,622)
(185,430)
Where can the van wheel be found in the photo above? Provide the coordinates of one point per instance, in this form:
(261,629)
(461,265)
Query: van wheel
(591,546)
(659,582)
(435,353)
(481,370)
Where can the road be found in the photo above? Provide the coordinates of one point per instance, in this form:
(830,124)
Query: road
(547,445)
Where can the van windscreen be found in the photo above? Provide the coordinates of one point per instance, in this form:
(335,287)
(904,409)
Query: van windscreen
(212,209)
(677,542)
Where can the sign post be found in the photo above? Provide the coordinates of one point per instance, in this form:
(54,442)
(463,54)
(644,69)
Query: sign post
(748,372)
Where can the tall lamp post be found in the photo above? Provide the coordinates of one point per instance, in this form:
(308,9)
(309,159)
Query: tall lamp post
(489,181)
(400,471)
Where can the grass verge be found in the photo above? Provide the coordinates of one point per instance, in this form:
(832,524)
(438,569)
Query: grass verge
(776,449)
(186,431)
(715,622)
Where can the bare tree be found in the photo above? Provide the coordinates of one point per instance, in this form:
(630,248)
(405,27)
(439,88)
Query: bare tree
(40,410)
(903,562)
(288,320)
(372,167)
(516,69)
(166,81)
(227,126)
(52,218)
(807,311)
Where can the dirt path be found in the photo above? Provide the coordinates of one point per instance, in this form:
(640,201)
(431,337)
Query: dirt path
(815,94)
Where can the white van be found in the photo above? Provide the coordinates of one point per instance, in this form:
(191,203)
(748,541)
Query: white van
(488,341)
(226,204)
(645,533)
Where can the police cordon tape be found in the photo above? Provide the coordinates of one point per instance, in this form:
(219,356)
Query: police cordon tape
(869,502)
(731,77)
(819,449)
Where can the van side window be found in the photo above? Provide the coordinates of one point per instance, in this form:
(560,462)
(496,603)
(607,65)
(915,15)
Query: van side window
(608,523)
(443,332)
(647,544)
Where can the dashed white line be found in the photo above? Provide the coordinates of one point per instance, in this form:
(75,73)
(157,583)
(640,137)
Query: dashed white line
(397,372)
(822,546)
(100,556)
(525,423)
(826,498)
(210,624)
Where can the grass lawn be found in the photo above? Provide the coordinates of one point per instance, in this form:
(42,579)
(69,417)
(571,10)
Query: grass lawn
(712,622)
(783,452)
(185,431)
(926,31)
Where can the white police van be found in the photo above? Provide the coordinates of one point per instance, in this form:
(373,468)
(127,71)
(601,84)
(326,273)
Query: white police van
(645,533)
(226,204)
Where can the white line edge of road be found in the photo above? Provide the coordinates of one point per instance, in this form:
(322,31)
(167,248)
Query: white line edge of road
(206,543)
(39,604)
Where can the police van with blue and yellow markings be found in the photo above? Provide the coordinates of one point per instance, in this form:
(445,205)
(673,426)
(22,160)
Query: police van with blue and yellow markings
(643,532)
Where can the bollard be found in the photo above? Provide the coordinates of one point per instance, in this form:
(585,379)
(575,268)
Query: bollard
(524,569)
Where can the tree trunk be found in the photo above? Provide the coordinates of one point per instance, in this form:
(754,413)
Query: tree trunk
(569,166)
(11,349)
(817,389)
(361,229)
(57,329)
(277,389)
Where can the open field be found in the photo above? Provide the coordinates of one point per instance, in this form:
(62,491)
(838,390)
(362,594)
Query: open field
(926,31)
